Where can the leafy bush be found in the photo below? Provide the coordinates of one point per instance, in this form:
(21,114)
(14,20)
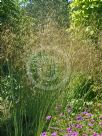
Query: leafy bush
(81,87)
(87,15)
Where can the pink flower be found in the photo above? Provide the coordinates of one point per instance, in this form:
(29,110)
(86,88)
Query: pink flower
(79,117)
(92,120)
(43,134)
(48,117)
(100,123)
(74,134)
(87,114)
(90,124)
(95,134)
(69,129)
(78,126)
(54,134)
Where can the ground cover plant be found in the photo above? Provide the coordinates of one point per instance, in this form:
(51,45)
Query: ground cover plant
(84,124)
(51,68)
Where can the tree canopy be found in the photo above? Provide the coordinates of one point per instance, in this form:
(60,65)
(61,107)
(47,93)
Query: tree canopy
(44,9)
(87,14)
(84,12)
(9,12)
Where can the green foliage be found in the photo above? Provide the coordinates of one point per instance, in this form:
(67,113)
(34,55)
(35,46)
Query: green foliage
(9,12)
(29,105)
(43,10)
(81,88)
(82,123)
(85,10)
(24,105)
(87,13)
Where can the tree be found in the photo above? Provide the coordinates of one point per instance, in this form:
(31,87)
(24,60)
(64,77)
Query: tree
(41,10)
(9,11)
(85,10)
(87,13)
(15,33)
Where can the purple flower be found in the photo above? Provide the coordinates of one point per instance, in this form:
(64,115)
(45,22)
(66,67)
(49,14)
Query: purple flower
(78,126)
(90,124)
(54,134)
(74,134)
(92,120)
(85,112)
(43,134)
(69,129)
(48,117)
(100,123)
(79,117)
(89,115)
(95,134)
